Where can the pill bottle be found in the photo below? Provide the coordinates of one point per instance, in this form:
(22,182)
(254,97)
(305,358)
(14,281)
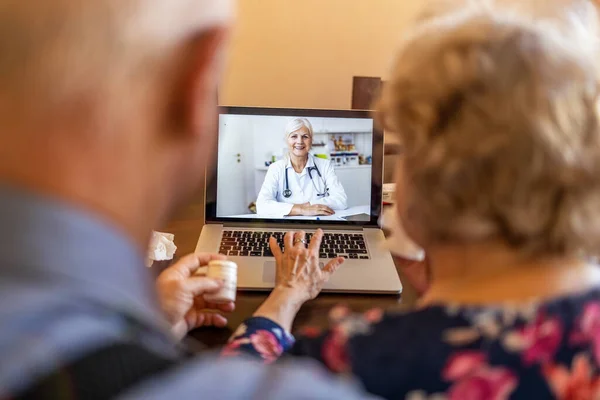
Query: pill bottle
(227,272)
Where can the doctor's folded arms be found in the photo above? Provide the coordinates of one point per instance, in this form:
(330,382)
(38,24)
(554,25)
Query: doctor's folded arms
(300,184)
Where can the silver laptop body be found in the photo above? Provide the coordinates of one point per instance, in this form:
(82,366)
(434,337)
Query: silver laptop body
(368,267)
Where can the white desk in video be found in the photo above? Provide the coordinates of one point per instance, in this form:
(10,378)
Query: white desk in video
(339,215)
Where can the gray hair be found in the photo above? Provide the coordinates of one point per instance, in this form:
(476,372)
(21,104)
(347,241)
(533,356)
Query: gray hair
(500,133)
(58,64)
(296,124)
(577,20)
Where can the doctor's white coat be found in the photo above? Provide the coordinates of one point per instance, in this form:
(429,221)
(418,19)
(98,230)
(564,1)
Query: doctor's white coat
(271,202)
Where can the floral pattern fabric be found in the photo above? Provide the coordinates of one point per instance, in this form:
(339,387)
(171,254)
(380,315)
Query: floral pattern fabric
(536,351)
(261,337)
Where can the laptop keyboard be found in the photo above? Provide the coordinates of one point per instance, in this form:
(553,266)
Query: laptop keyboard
(256,244)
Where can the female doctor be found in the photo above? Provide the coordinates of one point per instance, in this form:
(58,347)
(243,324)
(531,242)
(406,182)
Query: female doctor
(300,184)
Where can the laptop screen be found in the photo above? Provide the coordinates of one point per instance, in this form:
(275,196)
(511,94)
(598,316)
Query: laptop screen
(284,165)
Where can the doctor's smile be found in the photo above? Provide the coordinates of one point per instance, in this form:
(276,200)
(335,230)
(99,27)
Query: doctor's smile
(300,184)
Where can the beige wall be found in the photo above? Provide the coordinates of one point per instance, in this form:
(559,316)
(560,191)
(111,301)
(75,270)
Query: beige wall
(304,53)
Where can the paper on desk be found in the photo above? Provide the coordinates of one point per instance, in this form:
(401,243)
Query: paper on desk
(353,211)
(397,241)
(162,247)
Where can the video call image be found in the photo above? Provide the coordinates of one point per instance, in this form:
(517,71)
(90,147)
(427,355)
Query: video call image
(272,167)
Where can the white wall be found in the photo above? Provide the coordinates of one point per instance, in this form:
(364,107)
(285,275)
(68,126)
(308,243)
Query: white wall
(234,178)
(257,138)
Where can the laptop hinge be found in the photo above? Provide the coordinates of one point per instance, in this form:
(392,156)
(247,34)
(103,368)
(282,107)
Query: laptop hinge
(295,226)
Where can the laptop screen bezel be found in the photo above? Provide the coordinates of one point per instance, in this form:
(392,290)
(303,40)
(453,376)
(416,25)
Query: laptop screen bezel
(376,168)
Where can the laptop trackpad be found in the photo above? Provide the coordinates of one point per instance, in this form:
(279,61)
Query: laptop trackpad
(269,271)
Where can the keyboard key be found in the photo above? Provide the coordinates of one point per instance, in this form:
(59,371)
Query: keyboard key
(256,254)
(322,255)
(353,251)
(233,253)
(244,253)
(331,255)
(353,256)
(364,257)
(267,253)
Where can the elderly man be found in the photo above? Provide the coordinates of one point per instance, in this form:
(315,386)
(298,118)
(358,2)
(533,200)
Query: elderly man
(106,117)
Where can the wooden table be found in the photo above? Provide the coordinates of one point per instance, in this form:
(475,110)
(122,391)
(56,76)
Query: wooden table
(187,226)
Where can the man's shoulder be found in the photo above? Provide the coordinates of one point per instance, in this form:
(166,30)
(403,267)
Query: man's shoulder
(102,373)
(242,378)
(44,329)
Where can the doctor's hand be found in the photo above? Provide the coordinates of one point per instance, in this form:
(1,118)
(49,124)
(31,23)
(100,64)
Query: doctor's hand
(299,277)
(180,295)
(308,209)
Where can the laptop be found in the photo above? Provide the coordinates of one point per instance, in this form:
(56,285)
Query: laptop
(347,145)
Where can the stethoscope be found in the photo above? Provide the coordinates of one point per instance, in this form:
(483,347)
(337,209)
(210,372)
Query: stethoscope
(287,193)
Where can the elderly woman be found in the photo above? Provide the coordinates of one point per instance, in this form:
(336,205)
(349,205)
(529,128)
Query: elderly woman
(501,183)
(300,184)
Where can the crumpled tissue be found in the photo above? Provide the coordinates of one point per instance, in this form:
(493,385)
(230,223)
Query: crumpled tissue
(162,247)
(397,241)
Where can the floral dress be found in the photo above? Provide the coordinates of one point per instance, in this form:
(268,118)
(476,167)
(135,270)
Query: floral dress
(537,351)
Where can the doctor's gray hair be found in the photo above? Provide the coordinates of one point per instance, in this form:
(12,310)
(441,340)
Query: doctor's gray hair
(298,123)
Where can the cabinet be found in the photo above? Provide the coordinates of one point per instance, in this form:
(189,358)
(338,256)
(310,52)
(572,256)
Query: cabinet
(357,184)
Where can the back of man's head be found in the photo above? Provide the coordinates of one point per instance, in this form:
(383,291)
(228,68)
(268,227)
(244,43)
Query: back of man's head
(115,92)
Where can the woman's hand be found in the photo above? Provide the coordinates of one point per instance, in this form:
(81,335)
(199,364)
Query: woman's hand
(180,295)
(298,267)
(311,210)
(299,277)
(316,209)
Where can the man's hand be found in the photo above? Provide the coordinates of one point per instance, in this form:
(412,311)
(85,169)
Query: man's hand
(180,295)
